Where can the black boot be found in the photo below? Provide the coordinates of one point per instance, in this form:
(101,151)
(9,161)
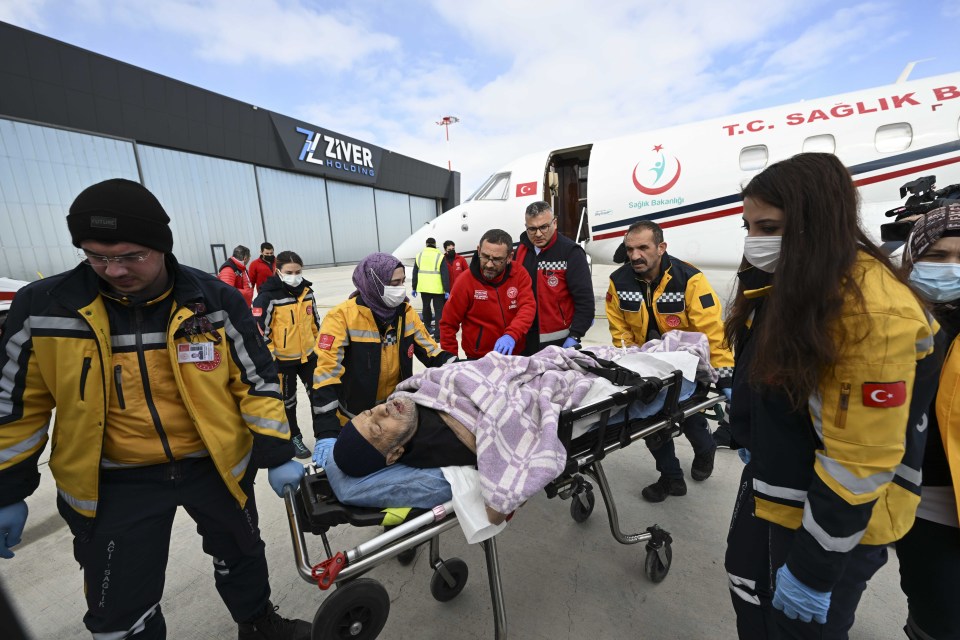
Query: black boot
(659,490)
(270,626)
(702,467)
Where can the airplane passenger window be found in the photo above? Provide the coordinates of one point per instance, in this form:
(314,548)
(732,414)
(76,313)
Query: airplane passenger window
(894,137)
(754,158)
(825,143)
(493,188)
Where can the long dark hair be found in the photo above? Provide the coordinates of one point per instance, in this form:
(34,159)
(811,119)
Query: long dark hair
(800,336)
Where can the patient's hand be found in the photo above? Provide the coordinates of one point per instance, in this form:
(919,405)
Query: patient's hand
(495,517)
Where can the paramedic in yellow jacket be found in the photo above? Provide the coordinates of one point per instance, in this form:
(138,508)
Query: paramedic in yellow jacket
(367,345)
(649,295)
(929,554)
(831,391)
(165,397)
(286,312)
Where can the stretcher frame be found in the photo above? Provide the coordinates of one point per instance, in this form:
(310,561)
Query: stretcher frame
(358,608)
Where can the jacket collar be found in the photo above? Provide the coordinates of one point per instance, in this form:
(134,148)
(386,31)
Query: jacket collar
(525,240)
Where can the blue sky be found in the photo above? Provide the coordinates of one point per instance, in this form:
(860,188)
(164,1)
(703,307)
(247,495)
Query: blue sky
(522,76)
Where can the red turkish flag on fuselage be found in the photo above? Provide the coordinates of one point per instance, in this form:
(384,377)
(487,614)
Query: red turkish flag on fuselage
(526,189)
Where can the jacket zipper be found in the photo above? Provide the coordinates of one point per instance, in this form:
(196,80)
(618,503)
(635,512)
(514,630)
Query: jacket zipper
(479,337)
(118,382)
(148,394)
(284,338)
(844,404)
(83,375)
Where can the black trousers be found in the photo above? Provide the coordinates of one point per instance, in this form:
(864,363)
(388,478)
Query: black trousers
(697,431)
(436,301)
(756,549)
(929,571)
(123,551)
(289,372)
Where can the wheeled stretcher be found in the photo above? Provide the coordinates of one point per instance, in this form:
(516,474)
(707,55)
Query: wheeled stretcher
(358,607)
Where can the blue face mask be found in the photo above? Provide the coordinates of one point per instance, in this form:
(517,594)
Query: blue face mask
(936,281)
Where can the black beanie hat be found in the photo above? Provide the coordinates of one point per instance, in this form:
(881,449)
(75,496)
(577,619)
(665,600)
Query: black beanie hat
(354,455)
(120,210)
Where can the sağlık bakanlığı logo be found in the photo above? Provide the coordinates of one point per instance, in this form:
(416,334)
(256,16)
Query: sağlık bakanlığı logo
(658,178)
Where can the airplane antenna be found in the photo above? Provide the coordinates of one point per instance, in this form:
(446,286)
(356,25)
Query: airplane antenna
(907,70)
(445,122)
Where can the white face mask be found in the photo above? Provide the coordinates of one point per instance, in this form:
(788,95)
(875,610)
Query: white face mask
(291,280)
(762,252)
(393,296)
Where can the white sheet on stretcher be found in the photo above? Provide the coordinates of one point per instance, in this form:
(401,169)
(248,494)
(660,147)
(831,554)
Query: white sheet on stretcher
(468,504)
(658,365)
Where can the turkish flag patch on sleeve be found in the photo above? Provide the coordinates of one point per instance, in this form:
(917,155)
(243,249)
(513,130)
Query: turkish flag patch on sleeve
(325,341)
(257,311)
(884,394)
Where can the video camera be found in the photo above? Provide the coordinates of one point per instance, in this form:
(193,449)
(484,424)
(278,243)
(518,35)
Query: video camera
(924,197)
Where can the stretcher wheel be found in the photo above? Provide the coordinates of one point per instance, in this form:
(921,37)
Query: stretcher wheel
(357,610)
(440,589)
(579,511)
(654,567)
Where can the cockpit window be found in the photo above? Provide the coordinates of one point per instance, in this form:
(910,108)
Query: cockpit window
(494,188)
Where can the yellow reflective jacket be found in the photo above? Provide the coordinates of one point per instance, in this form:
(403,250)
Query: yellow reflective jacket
(845,469)
(288,319)
(681,299)
(948,414)
(56,352)
(430,274)
(359,365)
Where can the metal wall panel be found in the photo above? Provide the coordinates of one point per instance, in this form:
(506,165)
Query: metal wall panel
(41,172)
(422,211)
(354,221)
(209,200)
(295,215)
(393,218)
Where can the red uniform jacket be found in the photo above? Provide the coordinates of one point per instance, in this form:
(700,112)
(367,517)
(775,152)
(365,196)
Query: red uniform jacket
(259,271)
(456,267)
(485,311)
(234,273)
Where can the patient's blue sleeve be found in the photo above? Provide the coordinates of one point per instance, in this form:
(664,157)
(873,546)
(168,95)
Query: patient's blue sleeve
(396,486)
(638,410)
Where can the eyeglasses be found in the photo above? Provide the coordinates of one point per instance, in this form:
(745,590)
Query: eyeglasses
(542,228)
(104,261)
(494,261)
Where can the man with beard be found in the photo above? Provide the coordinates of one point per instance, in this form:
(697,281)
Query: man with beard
(649,295)
(493,303)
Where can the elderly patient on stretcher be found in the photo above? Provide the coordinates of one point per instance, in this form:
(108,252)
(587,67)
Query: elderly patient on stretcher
(500,413)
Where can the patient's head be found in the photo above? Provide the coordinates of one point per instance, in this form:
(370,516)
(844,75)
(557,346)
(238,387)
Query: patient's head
(376,437)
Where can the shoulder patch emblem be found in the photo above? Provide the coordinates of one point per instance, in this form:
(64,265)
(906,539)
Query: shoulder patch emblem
(257,311)
(673,321)
(325,341)
(512,292)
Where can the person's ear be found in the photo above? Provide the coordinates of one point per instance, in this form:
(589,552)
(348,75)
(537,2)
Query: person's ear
(394,455)
(663,248)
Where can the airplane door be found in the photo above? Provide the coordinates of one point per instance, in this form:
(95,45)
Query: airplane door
(569,198)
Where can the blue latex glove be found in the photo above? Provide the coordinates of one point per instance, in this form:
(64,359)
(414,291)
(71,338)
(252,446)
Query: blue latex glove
(12,518)
(505,345)
(744,455)
(414,293)
(797,600)
(570,342)
(288,473)
(321,450)
(727,393)
(446,296)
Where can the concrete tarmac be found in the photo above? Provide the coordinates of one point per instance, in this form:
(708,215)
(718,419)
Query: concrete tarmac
(561,580)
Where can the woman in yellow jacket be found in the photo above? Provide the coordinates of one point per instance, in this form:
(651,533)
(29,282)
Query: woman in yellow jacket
(930,553)
(287,314)
(830,390)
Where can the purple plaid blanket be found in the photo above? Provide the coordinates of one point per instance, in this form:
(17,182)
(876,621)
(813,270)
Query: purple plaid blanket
(512,405)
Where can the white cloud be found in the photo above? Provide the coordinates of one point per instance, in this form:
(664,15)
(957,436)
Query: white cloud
(267,32)
(24,13)
(579,75)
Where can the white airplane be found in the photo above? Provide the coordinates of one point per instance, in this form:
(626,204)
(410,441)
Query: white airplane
(688,178)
